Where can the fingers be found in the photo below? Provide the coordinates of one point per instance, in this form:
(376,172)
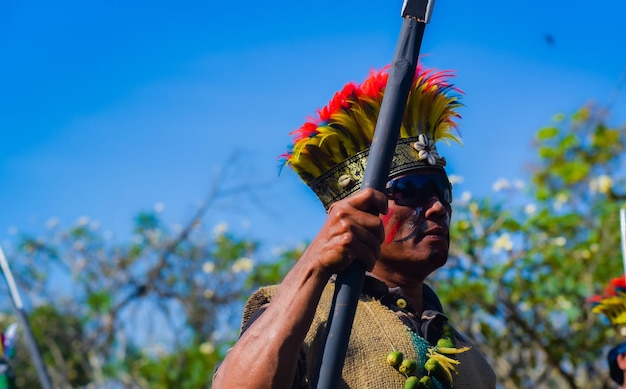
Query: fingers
(350,232)
(367,200)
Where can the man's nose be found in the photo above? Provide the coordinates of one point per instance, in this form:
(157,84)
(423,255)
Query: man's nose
(435,206)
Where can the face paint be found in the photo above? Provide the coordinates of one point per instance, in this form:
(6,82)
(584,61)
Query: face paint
(394,229)
(392,234)
(385,218)
(416,215)
(412,225)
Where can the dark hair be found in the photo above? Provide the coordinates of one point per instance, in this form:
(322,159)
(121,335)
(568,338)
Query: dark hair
(617,374)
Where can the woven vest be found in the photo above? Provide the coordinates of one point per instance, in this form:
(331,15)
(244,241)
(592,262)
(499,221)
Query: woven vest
(376,332)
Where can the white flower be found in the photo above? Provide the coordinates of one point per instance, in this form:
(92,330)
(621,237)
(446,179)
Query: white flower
(80,264)
(82,221)
(426,149)
(207,348)
(530,209)
(601,184)
(466,196)
(501,184)
(563,303)
(560,200)
(525,306)
(455,179)
(220,229)
(277,251)
(159,207)
(208,294)
(242,265)
(503,242)
(559,241)
(604,184)
(208,267)
(53,222)
(153,235)
(157,349)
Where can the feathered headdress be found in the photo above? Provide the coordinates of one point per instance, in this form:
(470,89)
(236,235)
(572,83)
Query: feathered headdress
(330,151)
(612,303)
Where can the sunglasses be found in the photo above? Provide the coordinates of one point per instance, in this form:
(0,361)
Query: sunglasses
(419,188)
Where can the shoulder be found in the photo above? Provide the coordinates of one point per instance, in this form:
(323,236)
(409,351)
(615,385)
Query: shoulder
(262,297)
(474,370)
(256,304)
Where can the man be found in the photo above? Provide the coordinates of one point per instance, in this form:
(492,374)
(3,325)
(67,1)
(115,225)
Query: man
(612,303)
(617,364)
(399,333)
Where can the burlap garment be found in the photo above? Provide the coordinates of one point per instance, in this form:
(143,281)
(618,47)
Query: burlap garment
(376,332)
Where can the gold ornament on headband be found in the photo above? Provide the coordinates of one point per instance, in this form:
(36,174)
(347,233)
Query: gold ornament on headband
(330,151)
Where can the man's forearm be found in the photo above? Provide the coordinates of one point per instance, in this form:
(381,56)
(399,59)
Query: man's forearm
(266,354)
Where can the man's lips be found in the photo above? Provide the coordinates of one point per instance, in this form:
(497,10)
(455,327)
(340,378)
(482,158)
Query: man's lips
(436,231)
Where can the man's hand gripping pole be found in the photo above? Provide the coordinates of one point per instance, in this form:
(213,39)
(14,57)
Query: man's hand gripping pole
(415,14)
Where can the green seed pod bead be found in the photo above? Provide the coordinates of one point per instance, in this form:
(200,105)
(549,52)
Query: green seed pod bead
(394,358)
(411,383)
(408,366)
(445,342)
(431,364)
(427,382)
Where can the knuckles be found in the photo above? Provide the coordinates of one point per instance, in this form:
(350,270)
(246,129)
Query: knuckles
(351,231)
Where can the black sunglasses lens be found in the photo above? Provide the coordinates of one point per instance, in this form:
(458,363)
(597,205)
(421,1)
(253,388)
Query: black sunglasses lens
(415,189)
(408,190)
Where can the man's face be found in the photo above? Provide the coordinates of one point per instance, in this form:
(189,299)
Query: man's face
(417,226)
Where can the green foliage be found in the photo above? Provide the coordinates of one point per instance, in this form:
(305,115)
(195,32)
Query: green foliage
(62,336)
(100,302)
(522,267)
(161,310)
(157,312)
(273,272)
(189,368)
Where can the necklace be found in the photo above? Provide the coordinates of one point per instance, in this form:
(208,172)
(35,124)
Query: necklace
(437,370)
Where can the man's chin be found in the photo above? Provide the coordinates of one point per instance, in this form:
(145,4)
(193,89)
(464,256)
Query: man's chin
(438,258)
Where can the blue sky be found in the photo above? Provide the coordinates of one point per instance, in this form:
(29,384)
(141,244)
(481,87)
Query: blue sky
(108,108)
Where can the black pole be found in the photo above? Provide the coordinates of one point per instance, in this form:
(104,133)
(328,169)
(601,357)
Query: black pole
(416,14)
(40,367)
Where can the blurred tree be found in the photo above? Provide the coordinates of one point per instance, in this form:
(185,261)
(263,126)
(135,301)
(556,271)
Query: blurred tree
(162,310)
(521,267)
(157,312)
